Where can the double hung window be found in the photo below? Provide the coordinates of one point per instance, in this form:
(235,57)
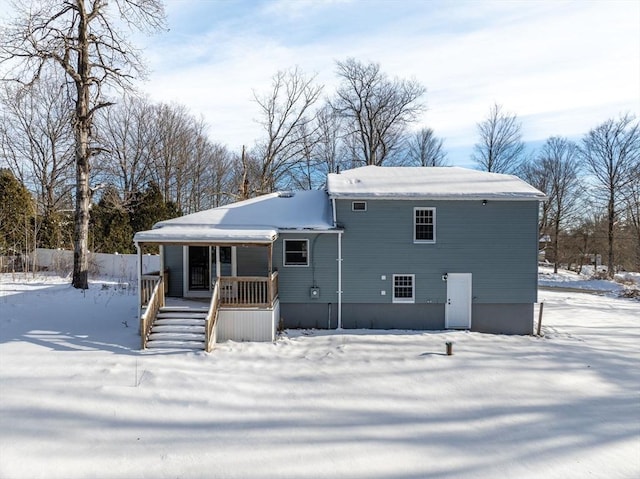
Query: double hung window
(424,225)
(404,288)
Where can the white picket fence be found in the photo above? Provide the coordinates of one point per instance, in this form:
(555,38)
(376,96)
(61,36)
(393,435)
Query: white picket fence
(121,266)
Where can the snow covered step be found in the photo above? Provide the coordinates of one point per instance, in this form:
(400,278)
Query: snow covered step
(172,336)
(179,327)
(172,327)
(182,315)
(196,309)
(175,344)
(179,322)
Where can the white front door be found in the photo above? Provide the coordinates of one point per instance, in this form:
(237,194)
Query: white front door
(457,311)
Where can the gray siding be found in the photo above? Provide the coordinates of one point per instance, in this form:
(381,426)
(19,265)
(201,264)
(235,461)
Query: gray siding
(502,318)
(318,315)
(252,260)
(173,262)
(496,242)
(295,281)
(393,316)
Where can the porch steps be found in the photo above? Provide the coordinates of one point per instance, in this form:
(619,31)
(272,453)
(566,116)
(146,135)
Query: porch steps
(178,328)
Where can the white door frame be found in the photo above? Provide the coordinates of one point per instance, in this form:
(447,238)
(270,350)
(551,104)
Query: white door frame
(457,309)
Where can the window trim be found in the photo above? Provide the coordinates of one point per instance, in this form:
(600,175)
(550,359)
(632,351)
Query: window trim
(424,208)
(353,205)
(410,300)
(284,254)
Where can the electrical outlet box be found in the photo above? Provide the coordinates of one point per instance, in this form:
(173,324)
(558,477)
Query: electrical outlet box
(314,293)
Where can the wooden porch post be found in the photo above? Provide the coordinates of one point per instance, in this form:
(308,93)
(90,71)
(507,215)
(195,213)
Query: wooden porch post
(139,250)
(270,273)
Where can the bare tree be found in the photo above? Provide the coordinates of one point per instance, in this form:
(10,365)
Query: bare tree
(208,184)
(36,144)
(329,147)
(303,173)
(500,148)
(425,149)
(171,149)
(558,161)
(81,38)
(376,110)
(128,134)
(611,152)
(287,120)
(632,207)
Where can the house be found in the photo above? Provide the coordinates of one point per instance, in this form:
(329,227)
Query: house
(383,247)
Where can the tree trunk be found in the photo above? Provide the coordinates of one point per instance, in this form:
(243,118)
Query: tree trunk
(610,236)
(556,259)
(81,224)
(82,133)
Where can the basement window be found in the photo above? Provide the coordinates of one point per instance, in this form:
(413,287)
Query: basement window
(359,206)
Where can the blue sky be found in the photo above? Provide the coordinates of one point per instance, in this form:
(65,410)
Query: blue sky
(562,67)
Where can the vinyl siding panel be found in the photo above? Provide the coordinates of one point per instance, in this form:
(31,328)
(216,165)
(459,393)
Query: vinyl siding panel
(252,260)
(173,262)
(248,324)
(322,272)
(496,242)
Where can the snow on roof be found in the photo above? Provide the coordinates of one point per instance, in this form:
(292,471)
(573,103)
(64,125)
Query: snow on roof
(257,220)
(450,183)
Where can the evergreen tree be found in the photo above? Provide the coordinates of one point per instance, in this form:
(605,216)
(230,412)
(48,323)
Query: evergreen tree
(150,207)
(111,230)
(16,215)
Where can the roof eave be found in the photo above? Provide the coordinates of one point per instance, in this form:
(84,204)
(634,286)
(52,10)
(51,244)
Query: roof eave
(474,197)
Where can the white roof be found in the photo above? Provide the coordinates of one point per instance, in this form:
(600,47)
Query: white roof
(258,220)
(443,183)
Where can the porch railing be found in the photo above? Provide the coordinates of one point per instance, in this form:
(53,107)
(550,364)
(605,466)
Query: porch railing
(153,303)
(248,291)
(212,319)
(148,282)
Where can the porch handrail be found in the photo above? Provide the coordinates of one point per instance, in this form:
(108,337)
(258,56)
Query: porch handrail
(248,291)
(155,302)
(212,319)
(273,286)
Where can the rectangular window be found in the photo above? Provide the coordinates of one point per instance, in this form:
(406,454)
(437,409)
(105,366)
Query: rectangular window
(359,206)
(403,288)
(296,252)
(424,225)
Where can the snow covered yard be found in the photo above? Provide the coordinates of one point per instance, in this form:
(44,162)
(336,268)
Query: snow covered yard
(78,399)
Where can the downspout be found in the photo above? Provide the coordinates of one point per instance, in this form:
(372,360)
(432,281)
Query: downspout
(139,251)
(339,280)
(335,225)
(333,207)
(161,251)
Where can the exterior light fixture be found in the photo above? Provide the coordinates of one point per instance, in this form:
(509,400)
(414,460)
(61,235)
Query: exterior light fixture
(484,202)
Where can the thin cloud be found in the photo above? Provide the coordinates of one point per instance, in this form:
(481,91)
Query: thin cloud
(562,67)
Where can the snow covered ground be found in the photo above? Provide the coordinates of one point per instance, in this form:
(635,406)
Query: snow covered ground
(584,281)
(78,399)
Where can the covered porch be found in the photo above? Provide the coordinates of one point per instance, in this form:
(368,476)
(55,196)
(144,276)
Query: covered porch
(203,294)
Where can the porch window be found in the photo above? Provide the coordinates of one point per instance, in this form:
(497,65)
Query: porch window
(424,226)
(404,288)
(296,252)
